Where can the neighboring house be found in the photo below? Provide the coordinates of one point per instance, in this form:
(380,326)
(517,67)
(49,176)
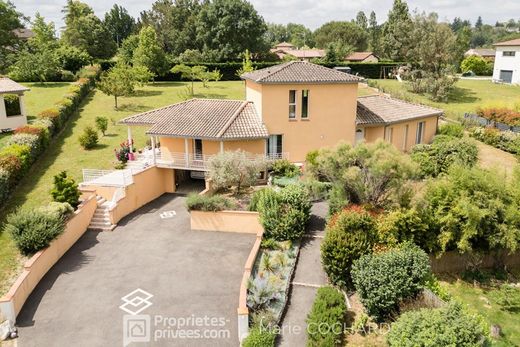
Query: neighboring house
(300,54)
(507,62)
(12,108)
(284,46)
(290,109)
(23,33)
(486,53)
(362,57)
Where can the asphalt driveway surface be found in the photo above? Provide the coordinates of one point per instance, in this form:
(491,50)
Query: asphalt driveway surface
(194,277)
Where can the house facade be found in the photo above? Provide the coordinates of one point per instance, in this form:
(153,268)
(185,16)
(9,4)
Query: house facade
(507,62)
(486,53)
(12,107)
(289,110)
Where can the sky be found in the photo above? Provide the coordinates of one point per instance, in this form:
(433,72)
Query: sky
(312,13)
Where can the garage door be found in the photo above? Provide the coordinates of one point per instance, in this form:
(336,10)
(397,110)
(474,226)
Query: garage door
(506,76)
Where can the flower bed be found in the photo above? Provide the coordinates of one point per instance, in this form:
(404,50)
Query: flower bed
(505,140)
(29,141)
(268,287)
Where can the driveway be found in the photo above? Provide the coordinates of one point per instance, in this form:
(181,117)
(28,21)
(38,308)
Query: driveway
(194,277)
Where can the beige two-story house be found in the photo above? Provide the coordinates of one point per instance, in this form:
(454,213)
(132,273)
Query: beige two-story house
(289,110)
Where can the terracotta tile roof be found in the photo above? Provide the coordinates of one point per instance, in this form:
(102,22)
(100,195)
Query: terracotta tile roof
(9,86)
(203,118)
(359,56)
(376,109)
(305,53)
(515,42)
(299,72)
(483,52)
(23,33)
(284,45)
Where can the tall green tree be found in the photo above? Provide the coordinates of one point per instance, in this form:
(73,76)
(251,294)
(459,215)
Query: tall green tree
(10,19)
(148,52)
(175,23)
(44,33)
(119,23)
(300,35)
(395,37)
(127,49)
(226,28)
(86,31)
(374,33)
(361,20)
(343,34)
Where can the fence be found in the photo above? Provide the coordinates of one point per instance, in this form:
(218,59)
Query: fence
(109,178)
(489,123)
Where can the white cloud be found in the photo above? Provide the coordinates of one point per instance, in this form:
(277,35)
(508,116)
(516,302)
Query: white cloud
(312,13)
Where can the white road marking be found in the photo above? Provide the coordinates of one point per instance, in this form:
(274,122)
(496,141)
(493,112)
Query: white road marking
(168,214)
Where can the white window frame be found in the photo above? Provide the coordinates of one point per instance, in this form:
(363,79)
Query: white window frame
(419,133)
(292,114)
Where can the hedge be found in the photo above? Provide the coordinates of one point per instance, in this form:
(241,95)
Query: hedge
(327,317)
(229,70)
(29,141)
(196,202)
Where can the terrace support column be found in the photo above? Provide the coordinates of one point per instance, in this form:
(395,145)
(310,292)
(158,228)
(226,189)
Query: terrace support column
(221,146)
(130,138)
(186,155)
(153,151)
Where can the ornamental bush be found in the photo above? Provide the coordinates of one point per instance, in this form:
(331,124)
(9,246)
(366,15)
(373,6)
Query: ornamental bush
(89,138)
(34,142)
(284,168)
(383,280)
(473,209)
(65,190)
(284,214)
(102,124)
(452,129)
(34,229)
(259,337)
(505,140)
(196,202)
(478,65)
(5,184)
(446,326)
(326,320)
(22,152)
(349,234)
(444,152)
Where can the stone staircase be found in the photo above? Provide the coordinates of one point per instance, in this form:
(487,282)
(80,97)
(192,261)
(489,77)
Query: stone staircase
(101,221)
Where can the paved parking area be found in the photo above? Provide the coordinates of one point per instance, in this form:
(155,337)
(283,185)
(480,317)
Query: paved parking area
(194,277)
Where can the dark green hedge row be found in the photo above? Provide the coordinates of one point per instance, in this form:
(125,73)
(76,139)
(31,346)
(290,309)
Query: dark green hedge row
(229,70)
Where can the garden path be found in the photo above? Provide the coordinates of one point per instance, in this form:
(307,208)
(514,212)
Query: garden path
(308,277)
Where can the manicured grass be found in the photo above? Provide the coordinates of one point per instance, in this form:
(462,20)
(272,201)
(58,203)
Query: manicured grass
(43,96)
(477,298)
(467,96)
(65,153)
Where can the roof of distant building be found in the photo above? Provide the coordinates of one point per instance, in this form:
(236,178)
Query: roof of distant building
(7,85)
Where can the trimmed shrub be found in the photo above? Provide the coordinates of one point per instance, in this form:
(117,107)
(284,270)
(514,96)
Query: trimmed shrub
(383,280)
(89,138)
(349,234)
(58,209)
(500,114)
(34,142)
(65,190)
(33,230)
(196,202)
(5,183)
(284,168)
(446,326)
(452,129)
(259,337)
(262,194)
(52,114)
(102,124)
(285,214)
(316,190)
(22,152)
(326,319)
(12,165)
(444,152)
(67,76)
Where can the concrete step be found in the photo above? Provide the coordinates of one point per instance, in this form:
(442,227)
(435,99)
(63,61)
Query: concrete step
(103,220)
(101,228)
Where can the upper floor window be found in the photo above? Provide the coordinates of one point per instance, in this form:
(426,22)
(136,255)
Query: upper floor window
(508,53)
(305,104)
(292,104)
(389,133)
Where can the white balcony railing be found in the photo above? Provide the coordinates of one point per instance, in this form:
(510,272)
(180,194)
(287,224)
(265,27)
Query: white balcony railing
(108,178)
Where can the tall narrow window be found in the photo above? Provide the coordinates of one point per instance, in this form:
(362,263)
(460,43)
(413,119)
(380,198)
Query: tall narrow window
(274,146)
(305,104)
(197,149)
(389,133)
(419,136)
(405,140)
(292,104)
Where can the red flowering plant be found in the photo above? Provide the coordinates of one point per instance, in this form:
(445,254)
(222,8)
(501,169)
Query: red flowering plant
(123,151)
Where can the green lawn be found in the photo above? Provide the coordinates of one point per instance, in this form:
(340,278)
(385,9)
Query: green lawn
(467,96)
(43,96)
(478,298)
(65,152)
